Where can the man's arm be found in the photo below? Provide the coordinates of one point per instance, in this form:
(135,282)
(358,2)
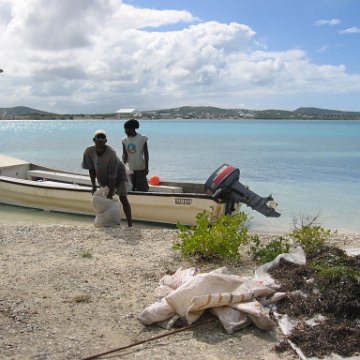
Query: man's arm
(92,174)
(146,158)
(111,188)
(88,164)
(124,154)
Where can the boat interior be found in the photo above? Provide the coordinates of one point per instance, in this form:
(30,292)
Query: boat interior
(29,172)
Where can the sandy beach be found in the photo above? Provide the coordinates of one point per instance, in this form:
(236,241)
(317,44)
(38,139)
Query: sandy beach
(71,291)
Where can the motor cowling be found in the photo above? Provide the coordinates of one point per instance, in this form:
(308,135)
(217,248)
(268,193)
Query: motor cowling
(224,186)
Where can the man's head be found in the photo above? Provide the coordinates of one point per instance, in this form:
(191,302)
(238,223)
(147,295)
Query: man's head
(100,140)
(99,135)
(130,127)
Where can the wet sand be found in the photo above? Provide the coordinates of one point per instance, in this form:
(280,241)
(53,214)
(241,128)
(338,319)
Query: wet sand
(21,215)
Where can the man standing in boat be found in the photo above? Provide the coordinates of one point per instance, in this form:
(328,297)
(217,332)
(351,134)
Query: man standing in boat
(136,154)
(105,166)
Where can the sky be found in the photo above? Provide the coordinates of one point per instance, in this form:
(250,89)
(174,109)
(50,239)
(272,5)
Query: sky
(98,56)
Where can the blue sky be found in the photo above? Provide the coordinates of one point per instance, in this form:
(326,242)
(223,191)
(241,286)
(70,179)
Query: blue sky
(91,56)
(286,24)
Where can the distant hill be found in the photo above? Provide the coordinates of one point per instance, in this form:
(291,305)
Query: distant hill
(198,112)
(206,112)
(20,110)
(184,110)
(316,111)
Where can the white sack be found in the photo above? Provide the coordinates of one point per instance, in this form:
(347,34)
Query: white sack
(258,314)
(231,319)
(169,283)
(209,290)
(217,291)
(157,312)
(108,211)
(235,300)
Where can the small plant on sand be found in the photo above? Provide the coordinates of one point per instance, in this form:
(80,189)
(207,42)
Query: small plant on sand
(263,253)
(310,236)
(82,298)
(86,254)
(220,239)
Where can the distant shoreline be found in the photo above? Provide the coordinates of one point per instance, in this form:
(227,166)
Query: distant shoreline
(187,113)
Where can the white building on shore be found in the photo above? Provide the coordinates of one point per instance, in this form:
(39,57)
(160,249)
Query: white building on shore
(126,113)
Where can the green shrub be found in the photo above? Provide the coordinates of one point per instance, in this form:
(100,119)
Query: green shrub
(312,238)
(263,253)
(207,240)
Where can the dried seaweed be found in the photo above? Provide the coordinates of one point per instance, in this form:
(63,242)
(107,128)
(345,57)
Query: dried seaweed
(329,284)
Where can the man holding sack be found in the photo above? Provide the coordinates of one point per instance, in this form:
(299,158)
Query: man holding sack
(105,167)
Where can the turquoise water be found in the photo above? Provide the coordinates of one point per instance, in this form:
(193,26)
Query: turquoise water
(310,167)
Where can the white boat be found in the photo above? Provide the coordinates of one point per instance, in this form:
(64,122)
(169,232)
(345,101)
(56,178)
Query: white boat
(25,184)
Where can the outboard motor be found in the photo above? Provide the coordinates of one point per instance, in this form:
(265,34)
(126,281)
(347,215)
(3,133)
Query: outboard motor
(224,186)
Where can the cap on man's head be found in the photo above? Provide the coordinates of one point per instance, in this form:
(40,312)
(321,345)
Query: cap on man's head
(99,132)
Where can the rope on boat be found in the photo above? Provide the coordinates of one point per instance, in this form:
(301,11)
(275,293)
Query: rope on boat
(150,339)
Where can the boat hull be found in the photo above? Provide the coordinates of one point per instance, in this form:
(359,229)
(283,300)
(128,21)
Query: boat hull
(166,208)
(25,184)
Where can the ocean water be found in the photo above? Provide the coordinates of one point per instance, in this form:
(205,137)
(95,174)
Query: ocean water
(312,168)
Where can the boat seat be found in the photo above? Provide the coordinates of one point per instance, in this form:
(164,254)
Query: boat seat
(59,176)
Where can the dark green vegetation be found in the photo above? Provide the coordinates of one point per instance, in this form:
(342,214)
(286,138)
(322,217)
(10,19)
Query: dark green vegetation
(190,112)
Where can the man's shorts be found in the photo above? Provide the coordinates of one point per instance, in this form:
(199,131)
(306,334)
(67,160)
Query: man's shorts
(122,188)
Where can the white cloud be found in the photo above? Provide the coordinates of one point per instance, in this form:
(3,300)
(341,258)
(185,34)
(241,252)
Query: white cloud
(97,56)
(352,30)
(331,22)
(322,49)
